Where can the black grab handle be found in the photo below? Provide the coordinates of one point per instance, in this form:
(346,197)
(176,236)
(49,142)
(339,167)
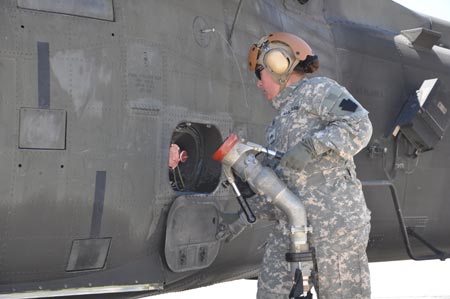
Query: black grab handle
(246,208)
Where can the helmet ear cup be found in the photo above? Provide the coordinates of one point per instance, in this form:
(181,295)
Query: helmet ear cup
(277,62)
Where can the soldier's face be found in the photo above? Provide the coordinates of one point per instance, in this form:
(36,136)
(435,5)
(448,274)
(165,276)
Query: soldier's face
(268,85)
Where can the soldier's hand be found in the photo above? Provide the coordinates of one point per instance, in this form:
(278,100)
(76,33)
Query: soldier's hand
(297,157)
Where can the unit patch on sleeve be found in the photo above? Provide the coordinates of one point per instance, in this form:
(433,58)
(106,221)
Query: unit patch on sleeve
(348,105)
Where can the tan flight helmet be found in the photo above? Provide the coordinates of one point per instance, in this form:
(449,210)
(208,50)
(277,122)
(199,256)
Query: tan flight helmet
(279,53)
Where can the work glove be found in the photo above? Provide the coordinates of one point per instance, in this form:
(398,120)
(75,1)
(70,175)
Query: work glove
(299,155)
(229,230)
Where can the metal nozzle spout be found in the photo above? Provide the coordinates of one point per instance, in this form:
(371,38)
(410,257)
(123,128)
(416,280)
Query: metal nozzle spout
(240,157)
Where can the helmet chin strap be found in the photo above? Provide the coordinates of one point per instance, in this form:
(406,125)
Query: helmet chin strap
(282,84)
(283,79)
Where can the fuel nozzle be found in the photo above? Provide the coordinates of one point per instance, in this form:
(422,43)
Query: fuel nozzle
(239,155)
(233,144)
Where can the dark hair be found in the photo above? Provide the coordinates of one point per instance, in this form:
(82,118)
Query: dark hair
(309,65)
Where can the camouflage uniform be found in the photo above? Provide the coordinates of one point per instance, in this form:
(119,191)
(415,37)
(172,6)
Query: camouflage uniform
(338,126)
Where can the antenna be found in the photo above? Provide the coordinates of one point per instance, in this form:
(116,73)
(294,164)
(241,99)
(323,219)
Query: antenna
(213,30)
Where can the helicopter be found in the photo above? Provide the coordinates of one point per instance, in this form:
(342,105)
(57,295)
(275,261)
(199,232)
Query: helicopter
(95,95)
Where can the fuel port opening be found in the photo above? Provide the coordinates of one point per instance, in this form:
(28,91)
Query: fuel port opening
(191,168)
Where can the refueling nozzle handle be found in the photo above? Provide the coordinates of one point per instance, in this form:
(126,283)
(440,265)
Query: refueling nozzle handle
(262,149)
(241,200)
(243,203)
(278,155)
(246,208)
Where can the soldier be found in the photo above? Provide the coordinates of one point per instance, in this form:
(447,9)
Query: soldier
(320,126)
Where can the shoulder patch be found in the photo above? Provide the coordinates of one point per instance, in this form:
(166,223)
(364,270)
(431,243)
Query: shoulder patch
(348,105)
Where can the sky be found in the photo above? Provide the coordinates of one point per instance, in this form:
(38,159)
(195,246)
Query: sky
(389,280)
(435,8)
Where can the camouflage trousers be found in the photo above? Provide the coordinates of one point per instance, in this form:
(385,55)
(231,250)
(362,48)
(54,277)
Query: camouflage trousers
(342,265)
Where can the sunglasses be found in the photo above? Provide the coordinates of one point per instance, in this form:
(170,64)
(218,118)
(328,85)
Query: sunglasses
(258,70)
